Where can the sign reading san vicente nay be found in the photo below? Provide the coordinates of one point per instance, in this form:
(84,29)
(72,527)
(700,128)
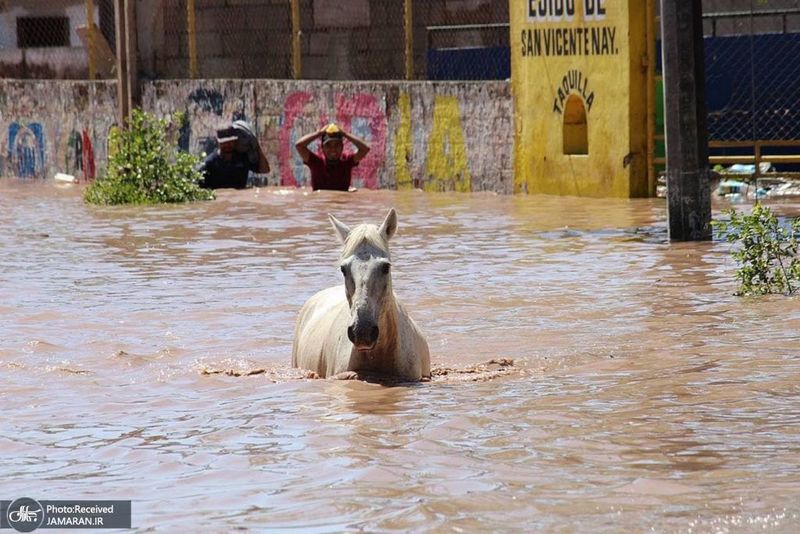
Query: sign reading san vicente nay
(550,38)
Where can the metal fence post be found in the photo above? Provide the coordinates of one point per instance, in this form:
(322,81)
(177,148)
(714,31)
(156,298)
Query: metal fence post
(297,60)
(192,33)
(132,51)
(123,104)
(650,35)
(90,38)
(409,33)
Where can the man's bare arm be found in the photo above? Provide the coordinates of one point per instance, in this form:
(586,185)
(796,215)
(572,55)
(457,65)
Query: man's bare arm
(302,144)
(361,145)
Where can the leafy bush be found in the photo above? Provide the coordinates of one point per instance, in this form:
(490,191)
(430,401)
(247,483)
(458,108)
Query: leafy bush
(144,168)
(765,250)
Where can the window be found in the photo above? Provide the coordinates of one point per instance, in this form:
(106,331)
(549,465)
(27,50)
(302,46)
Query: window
(33,32)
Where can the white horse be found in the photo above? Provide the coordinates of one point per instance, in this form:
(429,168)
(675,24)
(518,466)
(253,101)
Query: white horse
(361,329)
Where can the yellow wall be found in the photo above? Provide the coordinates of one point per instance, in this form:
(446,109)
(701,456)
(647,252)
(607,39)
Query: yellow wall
(594,49)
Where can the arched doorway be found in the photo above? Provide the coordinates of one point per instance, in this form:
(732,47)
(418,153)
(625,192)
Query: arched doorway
(576,130)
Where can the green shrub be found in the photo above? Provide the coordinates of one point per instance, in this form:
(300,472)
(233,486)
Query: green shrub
(144,168)
(765,251)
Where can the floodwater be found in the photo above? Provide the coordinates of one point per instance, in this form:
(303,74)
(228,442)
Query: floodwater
(644,395)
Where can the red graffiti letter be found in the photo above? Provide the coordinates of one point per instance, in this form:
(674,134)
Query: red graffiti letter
(365,106)
(88,157)
(287,155)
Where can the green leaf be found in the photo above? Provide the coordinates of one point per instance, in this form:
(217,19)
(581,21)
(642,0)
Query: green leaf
(765,251)
(143,168)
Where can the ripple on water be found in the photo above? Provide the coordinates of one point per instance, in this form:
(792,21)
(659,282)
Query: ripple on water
(644,393)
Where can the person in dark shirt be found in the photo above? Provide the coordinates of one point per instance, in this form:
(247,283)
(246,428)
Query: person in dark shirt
(334,169)
(237,155)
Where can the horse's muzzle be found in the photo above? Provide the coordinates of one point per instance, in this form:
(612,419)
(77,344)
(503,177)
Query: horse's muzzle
(363,338)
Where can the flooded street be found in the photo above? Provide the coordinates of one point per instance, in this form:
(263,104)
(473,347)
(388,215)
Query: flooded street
(644,396)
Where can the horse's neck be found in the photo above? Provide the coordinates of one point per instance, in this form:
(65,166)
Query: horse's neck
(389,324)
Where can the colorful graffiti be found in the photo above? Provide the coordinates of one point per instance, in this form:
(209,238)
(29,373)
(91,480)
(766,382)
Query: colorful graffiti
(363,114)
(291,166)
(26,149)
(418,137)
(78,159)
(49,127)
(87,159)
(26,154)
(447,152)
(403,146)
(209,100)
(360,114)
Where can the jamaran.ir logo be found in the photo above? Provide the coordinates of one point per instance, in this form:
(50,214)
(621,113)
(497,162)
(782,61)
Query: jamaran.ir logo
(25,514)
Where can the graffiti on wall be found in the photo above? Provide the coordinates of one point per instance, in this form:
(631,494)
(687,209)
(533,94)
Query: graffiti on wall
(447,152)
(208,110)
(291,166)
(87,153)
(77,157)
(26,149)
(403,145)
(27,152)
(364,115)
(360,114)
(418,139)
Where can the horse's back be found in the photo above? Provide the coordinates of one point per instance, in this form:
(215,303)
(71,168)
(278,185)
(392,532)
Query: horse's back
(413,348)
(317,318)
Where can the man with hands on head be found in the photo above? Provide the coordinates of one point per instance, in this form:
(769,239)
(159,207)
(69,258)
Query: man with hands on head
(334,169)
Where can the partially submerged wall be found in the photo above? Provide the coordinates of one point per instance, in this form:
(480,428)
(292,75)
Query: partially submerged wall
(55,126)
(434,136)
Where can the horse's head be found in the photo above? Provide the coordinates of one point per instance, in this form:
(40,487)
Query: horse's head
(366,266)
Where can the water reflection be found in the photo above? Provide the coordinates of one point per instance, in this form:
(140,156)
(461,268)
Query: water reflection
(358,397)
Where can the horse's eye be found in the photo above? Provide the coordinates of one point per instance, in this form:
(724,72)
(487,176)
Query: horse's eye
(343,269)
(385,268)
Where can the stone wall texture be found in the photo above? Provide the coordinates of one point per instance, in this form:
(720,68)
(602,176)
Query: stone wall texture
(55,126)
(436,136)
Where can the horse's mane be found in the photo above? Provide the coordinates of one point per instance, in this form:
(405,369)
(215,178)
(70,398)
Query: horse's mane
(365,235)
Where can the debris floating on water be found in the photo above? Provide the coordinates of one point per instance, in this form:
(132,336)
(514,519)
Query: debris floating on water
(489,370)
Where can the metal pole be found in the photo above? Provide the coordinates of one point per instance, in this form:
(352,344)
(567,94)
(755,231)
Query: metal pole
(297,59)
(132,51)
(192,31)
(123,104)
(409,27)
(688,188)
(90,38)
(650,35)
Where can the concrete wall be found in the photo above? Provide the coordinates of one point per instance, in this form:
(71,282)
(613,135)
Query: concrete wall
(55,126)
(577,67)
(435,136)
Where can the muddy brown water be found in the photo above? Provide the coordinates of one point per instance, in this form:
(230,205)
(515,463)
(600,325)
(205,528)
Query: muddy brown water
(644,395)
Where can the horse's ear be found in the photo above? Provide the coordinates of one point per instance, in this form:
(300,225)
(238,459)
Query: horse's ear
(389,226)
(342,230)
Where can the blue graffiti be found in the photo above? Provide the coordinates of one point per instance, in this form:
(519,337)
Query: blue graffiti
(26,149)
